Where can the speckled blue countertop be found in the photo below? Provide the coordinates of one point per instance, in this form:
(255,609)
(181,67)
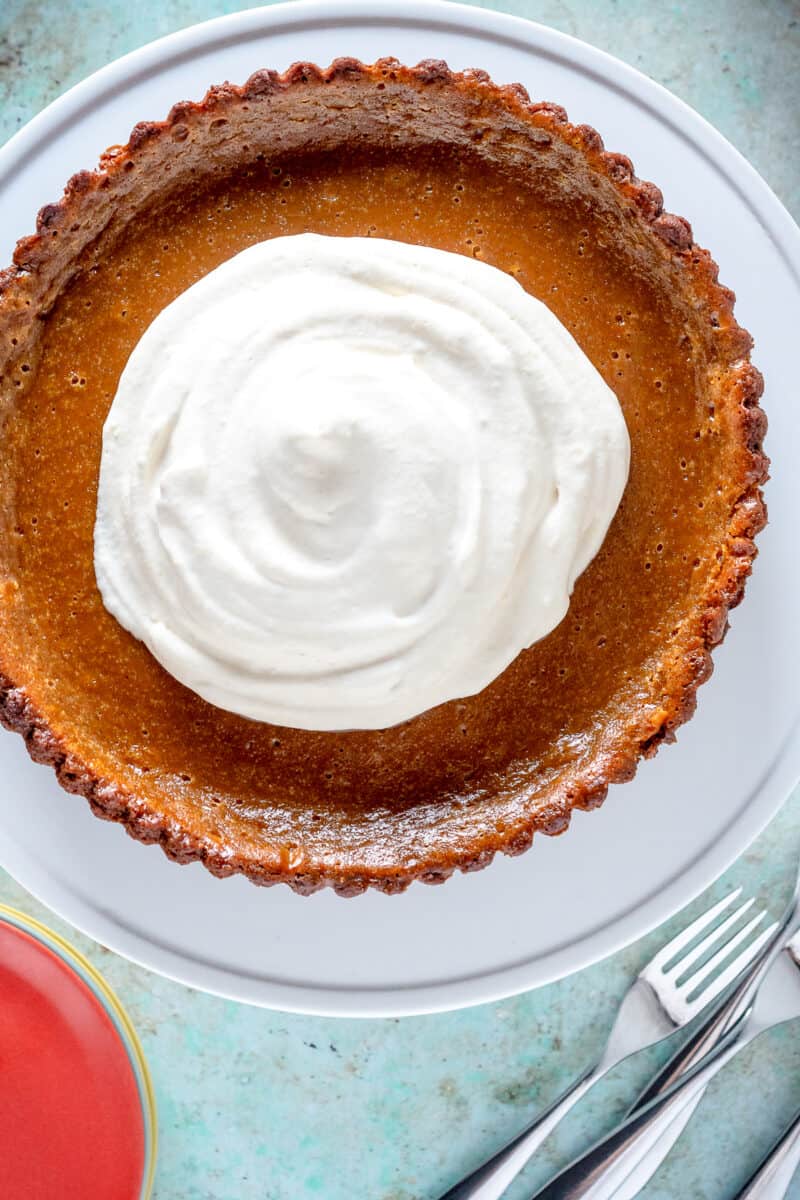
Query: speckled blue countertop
(257,1105)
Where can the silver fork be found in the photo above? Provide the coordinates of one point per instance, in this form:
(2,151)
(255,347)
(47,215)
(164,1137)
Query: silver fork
(662,999)
(619,1166)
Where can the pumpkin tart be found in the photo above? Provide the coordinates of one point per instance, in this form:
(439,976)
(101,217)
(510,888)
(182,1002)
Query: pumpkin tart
(420,155)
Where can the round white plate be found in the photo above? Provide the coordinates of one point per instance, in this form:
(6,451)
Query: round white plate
(659,840)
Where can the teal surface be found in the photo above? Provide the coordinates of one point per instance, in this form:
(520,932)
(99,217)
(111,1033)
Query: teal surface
(259,1105)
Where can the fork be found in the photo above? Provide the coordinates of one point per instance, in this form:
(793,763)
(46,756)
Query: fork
(662,999)
(698,1046)
(619,1166)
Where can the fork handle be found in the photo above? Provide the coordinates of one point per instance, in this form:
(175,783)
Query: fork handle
(646,1137)
(773,1177)
(491,1179)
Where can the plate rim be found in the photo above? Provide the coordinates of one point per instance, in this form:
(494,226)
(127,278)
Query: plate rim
(783,772)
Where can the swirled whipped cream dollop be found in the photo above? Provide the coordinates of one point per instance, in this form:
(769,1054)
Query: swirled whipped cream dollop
(344,480)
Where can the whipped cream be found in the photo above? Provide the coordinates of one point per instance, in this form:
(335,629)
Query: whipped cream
(344,480)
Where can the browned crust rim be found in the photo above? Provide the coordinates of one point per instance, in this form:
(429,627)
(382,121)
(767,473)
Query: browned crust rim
(747,517)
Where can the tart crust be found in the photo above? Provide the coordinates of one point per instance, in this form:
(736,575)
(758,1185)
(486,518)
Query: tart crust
(43,265)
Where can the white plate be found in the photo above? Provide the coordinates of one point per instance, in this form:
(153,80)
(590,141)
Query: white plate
(660,840)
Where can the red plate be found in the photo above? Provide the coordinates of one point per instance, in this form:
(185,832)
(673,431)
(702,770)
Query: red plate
(71,1114)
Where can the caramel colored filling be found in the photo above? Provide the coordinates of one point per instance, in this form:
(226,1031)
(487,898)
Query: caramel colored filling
(354,797)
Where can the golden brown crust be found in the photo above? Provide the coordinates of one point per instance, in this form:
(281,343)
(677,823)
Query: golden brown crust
(36,258)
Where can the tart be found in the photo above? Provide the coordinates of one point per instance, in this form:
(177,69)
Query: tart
(420,155)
